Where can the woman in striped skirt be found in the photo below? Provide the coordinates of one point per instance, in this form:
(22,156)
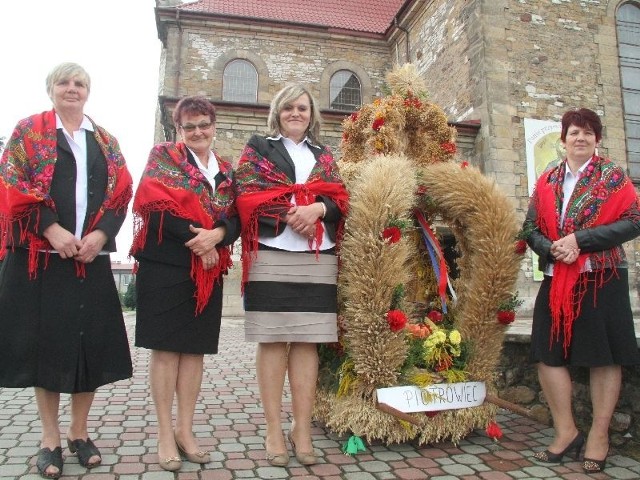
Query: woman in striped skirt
(291,201)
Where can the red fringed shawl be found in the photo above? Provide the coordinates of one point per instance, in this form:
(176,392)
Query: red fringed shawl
(171,184)
(602,195)
(263,190)
(26,172)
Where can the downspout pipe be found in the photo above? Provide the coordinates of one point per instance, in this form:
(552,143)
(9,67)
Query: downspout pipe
(406,33)
(179,67)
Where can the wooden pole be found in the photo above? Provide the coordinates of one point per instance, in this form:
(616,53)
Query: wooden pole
(383,407)
(525,412)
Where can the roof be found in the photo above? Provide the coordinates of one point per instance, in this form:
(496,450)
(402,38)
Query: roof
(372,16)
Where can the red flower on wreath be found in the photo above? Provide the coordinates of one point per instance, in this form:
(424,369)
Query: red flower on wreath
(494,431)
(392,234)
(521,247)
(396,319)
(435,316)
(413,102)
(378,122)
(506,316)
(449,147)
(464,164)
(354,116)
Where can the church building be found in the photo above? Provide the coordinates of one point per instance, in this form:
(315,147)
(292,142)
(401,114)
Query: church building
(503,71)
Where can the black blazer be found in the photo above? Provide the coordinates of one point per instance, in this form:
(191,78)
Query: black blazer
(63,194)
(175,233)
(275,151)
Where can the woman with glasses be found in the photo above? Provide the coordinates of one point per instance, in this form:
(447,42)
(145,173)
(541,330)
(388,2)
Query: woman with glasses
(185,221)
(64,191)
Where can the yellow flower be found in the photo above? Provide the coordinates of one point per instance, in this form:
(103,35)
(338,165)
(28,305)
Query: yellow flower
(454,337)
(435,339)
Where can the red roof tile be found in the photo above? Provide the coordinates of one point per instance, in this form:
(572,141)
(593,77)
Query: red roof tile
(373,16)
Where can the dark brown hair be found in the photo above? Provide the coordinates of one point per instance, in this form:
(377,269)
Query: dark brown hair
(581,117)
(194,105)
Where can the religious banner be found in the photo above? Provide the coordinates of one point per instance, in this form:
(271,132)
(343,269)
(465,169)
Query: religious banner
(439,396)
(544,149)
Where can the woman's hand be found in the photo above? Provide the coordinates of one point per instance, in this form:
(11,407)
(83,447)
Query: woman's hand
(204,244)
(63,241)
(565,249)
(92,244)
(303,218)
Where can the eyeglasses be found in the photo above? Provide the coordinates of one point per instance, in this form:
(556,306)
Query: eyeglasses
(189,127)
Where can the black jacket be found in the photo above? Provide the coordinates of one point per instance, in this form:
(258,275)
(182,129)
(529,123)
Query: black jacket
(276,153)
(175,233)
(63,188)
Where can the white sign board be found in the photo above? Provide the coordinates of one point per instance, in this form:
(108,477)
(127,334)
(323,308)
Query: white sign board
(441,396)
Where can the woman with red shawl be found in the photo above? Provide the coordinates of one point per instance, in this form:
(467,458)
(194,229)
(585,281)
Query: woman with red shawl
(291,202)
(64,191)
(185,221)
(580,214)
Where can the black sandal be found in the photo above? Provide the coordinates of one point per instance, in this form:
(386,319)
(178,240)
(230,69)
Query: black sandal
(48,458)
(86,450)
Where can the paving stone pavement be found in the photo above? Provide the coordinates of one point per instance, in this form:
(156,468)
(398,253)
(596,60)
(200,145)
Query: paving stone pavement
(229,422)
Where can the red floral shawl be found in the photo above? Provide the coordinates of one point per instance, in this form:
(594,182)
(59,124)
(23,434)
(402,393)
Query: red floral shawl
(264,190)
(171,184)
(26,172)
(602,195)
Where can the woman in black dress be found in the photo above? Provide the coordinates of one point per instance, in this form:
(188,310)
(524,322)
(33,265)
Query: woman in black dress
(185,221)
(580,214)
(64,191)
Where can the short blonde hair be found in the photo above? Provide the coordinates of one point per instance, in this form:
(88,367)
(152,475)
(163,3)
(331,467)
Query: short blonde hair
(283,97)
(65,71)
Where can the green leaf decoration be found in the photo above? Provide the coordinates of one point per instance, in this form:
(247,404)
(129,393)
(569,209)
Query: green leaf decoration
(353,446)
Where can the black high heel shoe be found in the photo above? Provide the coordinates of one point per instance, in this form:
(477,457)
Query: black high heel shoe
(589,465)
(550,457)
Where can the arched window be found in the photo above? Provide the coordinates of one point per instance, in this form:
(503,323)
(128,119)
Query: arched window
(345,91)
(240,82)
(628,26)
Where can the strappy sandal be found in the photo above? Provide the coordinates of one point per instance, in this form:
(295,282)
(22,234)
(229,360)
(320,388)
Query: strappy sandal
(86,450)
(48,458)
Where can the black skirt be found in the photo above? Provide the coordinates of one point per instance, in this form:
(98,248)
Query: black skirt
(603,334)
(165,311)
(60,332)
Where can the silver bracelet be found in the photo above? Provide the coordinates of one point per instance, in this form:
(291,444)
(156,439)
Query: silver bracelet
(324,209)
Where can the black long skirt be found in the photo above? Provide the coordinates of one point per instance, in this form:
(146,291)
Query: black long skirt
(603,334)
(60,332)
(165,311)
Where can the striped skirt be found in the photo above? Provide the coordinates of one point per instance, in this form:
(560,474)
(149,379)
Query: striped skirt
(291,297)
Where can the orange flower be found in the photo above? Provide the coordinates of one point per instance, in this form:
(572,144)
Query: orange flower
(418,330)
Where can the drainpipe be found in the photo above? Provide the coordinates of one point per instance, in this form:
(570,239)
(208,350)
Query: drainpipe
(406,32)
(179,59)
(179,68)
